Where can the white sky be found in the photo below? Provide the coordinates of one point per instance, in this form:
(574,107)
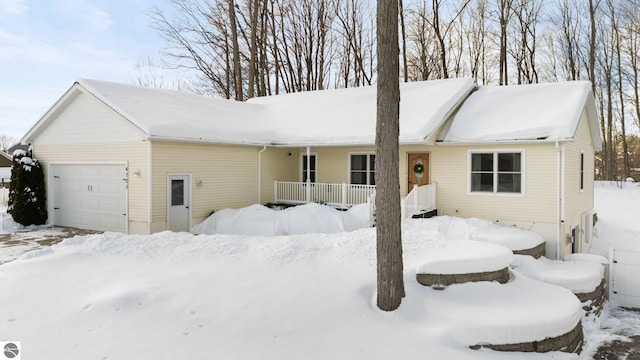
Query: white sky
(46,44)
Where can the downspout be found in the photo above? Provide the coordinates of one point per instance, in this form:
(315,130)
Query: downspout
(150,186)
(560,195)
(558,217)
(260,173)
(308,195)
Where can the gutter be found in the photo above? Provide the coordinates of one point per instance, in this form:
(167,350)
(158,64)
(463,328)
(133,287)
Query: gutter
(503,142)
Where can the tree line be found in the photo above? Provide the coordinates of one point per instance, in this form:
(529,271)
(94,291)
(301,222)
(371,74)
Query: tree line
(239,49)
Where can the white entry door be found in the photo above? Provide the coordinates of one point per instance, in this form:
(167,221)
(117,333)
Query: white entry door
(179,202)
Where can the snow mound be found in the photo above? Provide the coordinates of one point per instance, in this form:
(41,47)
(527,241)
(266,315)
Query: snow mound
(576,276)
(454,228)
(466,256)
(587,257)
(523,310)
(304,219)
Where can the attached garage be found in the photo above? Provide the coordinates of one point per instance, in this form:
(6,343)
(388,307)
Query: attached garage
(89,196)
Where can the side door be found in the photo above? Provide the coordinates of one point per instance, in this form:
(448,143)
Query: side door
(179,202)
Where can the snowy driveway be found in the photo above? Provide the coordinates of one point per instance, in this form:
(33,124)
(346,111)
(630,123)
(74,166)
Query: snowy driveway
(14,244)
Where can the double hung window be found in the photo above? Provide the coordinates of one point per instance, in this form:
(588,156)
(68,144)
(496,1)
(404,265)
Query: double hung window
(496,172)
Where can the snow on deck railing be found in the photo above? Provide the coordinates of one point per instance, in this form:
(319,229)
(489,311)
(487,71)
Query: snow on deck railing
(340,195)
(421,199)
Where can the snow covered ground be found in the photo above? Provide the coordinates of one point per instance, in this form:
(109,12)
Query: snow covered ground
(310,296)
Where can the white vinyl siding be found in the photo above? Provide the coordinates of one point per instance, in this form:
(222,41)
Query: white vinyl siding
(450,169)
(578,201)
(87,120)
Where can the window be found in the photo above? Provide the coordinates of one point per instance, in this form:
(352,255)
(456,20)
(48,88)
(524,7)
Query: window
(363,169)
(177,192)
(496,172)
(312,172)
(581,171)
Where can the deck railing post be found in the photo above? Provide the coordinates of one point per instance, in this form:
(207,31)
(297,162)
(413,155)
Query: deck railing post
(275,191)
(344,195)
(415,197)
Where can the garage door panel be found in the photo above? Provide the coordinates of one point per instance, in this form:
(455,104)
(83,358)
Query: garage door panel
(90,196)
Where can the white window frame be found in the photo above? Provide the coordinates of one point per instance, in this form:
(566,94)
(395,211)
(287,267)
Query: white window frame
(368,153)
(302,163)
(495,153)
(582,170)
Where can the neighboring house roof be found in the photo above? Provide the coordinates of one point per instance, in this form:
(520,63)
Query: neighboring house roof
(16,147)
(536,112)
(5,159)
(346,116)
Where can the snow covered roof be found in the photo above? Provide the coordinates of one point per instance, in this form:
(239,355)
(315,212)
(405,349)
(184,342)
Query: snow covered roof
(346,116)
(319,118)
(173,115)
(537,112)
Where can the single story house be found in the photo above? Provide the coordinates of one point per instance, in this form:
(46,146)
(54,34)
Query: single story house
(141,160)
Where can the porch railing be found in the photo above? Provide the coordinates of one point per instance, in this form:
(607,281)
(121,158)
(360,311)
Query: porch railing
(421,199)
(339,195)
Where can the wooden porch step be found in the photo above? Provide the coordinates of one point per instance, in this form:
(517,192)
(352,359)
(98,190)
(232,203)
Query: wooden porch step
(426,214)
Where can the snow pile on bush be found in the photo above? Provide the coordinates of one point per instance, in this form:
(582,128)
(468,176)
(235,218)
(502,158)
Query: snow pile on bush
(304,219)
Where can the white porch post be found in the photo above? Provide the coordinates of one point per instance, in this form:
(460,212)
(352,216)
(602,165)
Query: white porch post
(275,191)
(415,198)
(308,195)
(344,195)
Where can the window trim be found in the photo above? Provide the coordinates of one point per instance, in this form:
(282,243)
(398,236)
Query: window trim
(495,153)
(301,172)
(368,153)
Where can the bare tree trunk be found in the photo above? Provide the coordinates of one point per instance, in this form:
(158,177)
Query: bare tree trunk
(237,71)
(403,30)
(253,46)
(388,234)
(435,4)
(592,45)
(504,7)
(618,38)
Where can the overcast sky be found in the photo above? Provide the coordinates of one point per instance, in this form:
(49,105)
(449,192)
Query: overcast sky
(46,44)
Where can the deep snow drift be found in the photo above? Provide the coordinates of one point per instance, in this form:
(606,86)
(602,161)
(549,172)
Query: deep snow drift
(309,296)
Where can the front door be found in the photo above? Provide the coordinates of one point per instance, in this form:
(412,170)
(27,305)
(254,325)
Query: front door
(418,171)
(179,202)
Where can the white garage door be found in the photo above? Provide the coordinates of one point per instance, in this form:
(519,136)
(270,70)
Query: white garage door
(90,196)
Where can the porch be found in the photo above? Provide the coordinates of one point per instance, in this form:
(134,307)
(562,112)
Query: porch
(420,201)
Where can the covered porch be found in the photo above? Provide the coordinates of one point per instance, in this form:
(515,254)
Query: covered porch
(420,200)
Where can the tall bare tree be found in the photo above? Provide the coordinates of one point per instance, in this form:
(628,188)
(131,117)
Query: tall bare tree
(6,142)
(388,235)
(505,11)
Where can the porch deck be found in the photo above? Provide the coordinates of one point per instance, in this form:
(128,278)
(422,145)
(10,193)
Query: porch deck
(421,199)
